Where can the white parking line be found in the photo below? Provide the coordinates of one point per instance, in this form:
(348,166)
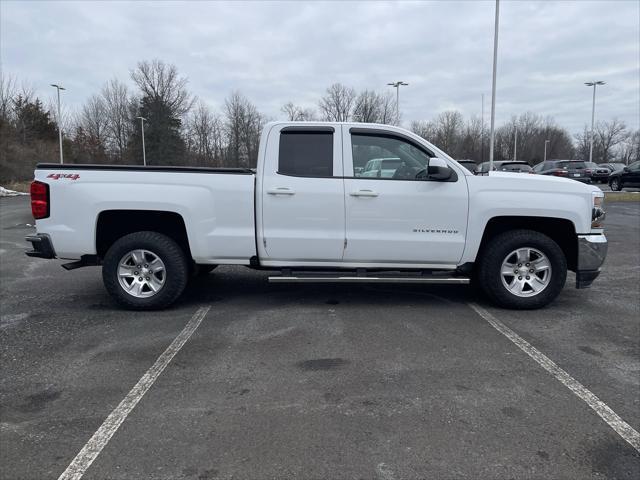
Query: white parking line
(99,440)
(626,431)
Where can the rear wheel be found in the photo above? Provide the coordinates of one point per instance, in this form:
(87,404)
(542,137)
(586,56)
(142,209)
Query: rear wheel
(145,270)
(522,269)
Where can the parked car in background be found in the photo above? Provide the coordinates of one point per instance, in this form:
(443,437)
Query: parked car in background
(573,169)
(503,166)
(627,177)
(613,167)
(515,166)
(468,164)
(381,167)
(598,173)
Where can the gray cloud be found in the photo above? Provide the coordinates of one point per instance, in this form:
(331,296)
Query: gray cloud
(274,52)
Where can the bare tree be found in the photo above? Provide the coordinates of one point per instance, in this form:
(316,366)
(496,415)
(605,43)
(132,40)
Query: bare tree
(426,130)
(471,144)
(368,107)
(161,82)
(337,104)
(243,125)
(582,141)
(629,149)
(449,126)
(609,135)
(388,109)
(204,135)
(8,91)
(296,113)
(93,118)
(118,106)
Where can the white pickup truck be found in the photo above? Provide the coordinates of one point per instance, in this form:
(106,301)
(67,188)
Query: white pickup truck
(309,214)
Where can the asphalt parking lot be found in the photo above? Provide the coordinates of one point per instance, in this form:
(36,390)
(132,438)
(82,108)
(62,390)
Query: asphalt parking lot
(316,381)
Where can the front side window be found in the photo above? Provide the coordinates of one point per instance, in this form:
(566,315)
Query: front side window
(386,157)
(306,153)
(634,167)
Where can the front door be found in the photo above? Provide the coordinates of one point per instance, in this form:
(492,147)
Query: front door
(302,196)
(396,219)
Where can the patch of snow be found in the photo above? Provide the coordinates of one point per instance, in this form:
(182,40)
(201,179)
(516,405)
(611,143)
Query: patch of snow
(5,192)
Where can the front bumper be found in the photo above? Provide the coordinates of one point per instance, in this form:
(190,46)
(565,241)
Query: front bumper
(42,246)
(592,250)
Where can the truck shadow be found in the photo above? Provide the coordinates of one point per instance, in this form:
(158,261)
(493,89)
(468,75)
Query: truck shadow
(234,284)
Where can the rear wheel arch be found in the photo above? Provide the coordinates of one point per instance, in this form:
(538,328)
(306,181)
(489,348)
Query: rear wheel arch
(112,225)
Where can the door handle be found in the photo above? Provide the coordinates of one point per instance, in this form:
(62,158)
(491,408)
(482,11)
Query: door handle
(281,191)
(364,193)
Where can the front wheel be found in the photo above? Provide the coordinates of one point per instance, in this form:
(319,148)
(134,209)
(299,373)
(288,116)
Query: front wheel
(522,269)
(145,270)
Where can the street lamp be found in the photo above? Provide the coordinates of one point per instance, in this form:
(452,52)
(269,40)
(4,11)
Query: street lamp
(493,86)
(593,113)
(58,88)
(397,86)
(482,131)
(144,153)
(545,149)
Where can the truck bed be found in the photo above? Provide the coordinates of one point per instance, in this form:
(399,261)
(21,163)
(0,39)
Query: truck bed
(216,205)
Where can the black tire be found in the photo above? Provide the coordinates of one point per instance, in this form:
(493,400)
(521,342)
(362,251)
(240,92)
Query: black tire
(499,248)
(173,257)
(615,185)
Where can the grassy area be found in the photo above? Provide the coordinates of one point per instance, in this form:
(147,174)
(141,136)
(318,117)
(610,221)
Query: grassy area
(18,186)
(622,196)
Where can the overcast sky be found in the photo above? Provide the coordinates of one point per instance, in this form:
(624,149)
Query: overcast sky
(274,52)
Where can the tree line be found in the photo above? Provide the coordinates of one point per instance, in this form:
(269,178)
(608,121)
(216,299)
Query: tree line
(180,129)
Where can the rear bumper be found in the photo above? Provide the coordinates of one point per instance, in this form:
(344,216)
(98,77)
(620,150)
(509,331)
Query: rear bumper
(592,250)
(42,246)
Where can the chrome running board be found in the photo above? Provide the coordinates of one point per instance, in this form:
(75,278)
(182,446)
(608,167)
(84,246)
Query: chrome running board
(366,279)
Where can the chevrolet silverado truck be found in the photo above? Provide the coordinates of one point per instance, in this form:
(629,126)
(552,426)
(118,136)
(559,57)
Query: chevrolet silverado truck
(308,213)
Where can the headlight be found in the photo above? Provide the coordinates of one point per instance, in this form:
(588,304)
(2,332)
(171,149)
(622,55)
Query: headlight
(597,212)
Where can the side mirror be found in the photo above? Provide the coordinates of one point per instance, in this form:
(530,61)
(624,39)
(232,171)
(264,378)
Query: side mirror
(438,169)
(626,169)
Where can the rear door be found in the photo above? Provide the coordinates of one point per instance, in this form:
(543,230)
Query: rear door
(302,196)
(397,220)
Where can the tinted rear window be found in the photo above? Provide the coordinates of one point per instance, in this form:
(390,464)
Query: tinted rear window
(572,165)
(306,154)
(515,167)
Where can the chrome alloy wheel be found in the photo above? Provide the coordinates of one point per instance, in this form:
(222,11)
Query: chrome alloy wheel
(141,273)
(525,272)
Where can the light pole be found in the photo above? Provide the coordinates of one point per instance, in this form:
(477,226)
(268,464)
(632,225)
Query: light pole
(482,131)
(397,86)
(58,88)
(593,84)
(144,153)
(493,86)
(545,149)
(515,143)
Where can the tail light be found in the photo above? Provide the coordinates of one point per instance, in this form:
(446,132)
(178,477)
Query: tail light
(560,173)
(39,200)
(588,171)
